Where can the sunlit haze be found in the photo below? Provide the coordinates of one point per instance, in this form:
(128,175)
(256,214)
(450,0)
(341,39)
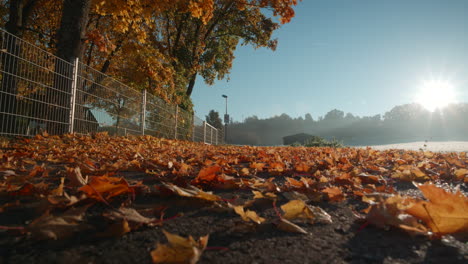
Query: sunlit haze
(436,94)
(362,57)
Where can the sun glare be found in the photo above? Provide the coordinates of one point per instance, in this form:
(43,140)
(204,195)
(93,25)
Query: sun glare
(436,94)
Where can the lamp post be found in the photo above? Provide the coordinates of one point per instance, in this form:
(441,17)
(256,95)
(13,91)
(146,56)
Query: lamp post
(226,120)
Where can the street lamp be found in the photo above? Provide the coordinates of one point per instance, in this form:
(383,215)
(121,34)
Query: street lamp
(226,120)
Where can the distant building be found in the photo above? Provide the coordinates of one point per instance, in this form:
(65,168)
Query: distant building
(297,138)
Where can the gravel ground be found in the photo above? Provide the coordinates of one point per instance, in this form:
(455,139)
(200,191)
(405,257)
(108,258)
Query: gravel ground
(440,146)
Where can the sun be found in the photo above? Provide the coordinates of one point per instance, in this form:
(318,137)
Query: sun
(436,94)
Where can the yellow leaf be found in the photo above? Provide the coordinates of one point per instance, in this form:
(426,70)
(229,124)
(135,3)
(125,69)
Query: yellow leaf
(179,249)
(444,212)
(245,172)
(298,209)
(259,195)
(248,215)
(461,173)
(59,190)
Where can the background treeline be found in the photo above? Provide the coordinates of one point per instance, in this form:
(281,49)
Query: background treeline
(404,123)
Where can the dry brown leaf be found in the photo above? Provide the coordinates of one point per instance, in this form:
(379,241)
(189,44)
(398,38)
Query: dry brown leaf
(64,200)
(179,249)
(391,212)
(130,215)
(260,195)
(59,190)
(247,215)
(57,227)
(75,177)
(116,229)
(192,191)
(288,226)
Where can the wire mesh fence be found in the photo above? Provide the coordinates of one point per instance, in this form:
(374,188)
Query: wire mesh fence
(34,92)
(40,92)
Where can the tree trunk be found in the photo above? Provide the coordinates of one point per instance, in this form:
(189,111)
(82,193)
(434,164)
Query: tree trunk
(70,45)
(8,101)
(71,35)
(191,84)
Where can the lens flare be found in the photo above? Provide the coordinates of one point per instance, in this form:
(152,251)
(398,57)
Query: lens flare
(436,94)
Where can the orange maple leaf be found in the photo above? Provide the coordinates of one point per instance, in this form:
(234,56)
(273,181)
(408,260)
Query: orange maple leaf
(208,174)
(334,193)
(103,187)
(444,212)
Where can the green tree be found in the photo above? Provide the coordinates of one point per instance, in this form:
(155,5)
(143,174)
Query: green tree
(213,119)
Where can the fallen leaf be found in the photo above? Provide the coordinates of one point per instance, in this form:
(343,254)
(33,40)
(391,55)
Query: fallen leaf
(75,177)
(59,190)
(302,167)
(244,172)
(208,174)
(288,226)
(192,191)
(179,249)
(116,229)
(104,187)
(444,212)
(57,227)
(298,209)
(257,166)
(260,195)
(461,173)
(248,215)
(334,193)
(390,211)
(130,215)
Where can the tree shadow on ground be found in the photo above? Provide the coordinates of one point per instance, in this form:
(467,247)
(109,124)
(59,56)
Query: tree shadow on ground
(374,245)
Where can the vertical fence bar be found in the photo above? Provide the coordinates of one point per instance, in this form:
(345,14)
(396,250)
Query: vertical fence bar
(71,128)
(193,127)
(176,117)
(143,112)
(217,136)
(204,131)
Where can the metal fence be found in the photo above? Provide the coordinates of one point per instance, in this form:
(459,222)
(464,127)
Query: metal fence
(41,92)
(204,132)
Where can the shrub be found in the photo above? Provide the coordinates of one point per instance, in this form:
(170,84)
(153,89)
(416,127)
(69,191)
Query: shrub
(321,142)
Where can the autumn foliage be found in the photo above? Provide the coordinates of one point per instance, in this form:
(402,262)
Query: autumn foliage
(72,177)
(161,46)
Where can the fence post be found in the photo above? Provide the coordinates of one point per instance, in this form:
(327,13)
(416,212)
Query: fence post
(143,112)
(71,122)
(176,117)
(204,131)
(193,127)
(217,136)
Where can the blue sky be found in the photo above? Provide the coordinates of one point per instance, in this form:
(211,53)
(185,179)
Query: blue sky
(359,56)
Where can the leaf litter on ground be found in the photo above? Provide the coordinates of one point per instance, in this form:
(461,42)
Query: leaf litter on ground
(89,172)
